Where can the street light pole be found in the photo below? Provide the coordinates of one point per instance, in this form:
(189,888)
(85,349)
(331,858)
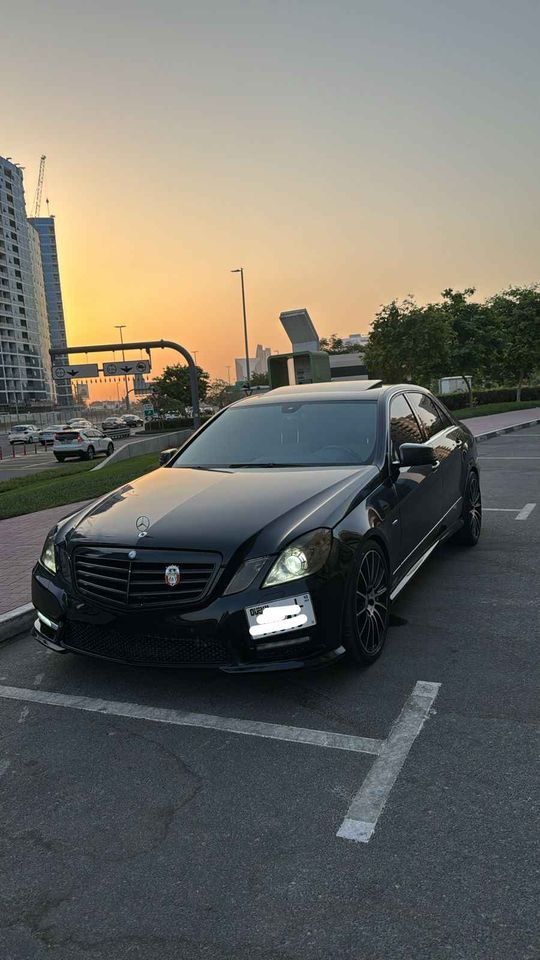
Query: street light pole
(240,270)
(120,327)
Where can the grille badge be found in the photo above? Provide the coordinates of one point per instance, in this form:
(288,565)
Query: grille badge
(172,575)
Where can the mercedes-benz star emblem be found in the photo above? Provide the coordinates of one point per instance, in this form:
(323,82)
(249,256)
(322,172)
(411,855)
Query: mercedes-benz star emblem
(142,524)
(172,575)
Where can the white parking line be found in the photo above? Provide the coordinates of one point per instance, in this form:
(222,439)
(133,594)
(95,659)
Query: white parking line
(365,808)
(526,512)
(253,728)
(368,804)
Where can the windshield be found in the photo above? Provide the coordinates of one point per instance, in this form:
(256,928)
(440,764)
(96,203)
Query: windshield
(287,434)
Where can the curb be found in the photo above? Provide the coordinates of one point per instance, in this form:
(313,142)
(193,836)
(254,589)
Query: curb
(511,429)
(16,621)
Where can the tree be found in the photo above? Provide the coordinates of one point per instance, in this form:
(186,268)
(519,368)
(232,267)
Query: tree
(334,344)
(409,343)
(172,388)
(258,379)
(477,336)
(220,393)
(517,311)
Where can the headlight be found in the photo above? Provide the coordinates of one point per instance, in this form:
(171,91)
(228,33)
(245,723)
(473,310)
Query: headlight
(48,554)
(301,558)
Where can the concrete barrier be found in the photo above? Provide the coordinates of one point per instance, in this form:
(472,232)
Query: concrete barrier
(154,443)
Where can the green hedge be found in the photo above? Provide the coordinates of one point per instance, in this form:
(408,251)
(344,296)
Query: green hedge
(165,426)
(457,401)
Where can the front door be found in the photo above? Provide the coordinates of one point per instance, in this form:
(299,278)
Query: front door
(419,489)
(448,443)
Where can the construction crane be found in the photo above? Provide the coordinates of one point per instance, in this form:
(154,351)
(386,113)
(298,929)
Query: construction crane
(39,188)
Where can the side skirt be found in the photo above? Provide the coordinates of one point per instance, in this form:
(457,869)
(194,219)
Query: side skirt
(421,560)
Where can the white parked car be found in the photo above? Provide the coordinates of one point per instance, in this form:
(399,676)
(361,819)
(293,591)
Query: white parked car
(84,444)
(24,433)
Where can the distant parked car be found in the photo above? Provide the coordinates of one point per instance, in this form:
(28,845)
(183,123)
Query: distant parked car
(48,434)
(79,423)
(132,420)
(23,433)
(113,423)
(84,444)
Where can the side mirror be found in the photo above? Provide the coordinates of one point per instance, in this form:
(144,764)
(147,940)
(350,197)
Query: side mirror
(416,455)
(167,455)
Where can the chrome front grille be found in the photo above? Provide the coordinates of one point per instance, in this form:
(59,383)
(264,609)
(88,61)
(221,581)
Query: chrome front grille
(109,576)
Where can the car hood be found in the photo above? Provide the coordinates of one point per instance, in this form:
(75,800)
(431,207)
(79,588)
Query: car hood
(222,510)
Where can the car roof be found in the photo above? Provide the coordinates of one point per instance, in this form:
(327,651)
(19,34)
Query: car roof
(364,390)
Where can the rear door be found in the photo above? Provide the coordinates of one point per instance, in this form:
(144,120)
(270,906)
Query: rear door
(419,489)
(447,440)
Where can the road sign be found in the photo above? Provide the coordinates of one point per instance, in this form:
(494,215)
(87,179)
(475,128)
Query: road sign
(127,368)
(148,413)
(76,371)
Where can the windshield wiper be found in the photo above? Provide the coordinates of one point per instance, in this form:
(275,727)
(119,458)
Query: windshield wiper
(252,463)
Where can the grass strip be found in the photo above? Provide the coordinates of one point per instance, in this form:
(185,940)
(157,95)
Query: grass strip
(69,486)
(488,408)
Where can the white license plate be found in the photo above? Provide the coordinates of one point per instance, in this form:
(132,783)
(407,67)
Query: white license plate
(280,616)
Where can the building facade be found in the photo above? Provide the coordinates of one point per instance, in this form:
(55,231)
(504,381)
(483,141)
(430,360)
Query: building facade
(257,364)
(45,228)
(25,369)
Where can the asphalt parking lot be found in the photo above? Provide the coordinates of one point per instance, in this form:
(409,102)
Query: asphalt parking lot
(212,826)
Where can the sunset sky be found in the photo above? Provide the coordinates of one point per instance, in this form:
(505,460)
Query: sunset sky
(345,153)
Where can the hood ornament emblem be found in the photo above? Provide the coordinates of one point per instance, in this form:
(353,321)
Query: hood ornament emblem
(172,575)
(142,524)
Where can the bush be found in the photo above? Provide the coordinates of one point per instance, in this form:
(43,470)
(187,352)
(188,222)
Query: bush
(166,426)
(458,401)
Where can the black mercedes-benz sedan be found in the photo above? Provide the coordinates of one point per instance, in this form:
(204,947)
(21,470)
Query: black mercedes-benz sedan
(277,536)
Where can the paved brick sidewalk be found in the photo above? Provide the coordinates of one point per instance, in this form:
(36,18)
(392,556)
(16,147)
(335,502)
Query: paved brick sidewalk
(21,539)
(497,421)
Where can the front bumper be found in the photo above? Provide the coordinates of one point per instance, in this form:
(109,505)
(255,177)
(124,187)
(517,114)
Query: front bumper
(214,635)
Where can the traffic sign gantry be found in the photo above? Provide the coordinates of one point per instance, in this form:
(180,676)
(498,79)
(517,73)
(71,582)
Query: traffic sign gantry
(125,367)
(77,371)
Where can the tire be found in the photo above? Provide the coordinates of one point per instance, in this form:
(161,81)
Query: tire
(367,601)
(59,457)
(469,534)
(109,450)
(90,453)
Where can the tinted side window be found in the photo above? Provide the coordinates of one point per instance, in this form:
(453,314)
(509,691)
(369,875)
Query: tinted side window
(427,413)
(403,425)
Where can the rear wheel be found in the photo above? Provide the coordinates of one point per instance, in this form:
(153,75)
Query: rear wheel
(368,597)
(472,512)
(90,453)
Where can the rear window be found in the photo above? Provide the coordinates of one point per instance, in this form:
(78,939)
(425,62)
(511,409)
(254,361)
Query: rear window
(68,434)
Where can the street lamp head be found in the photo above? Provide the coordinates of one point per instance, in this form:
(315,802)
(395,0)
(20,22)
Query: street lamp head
(239,270)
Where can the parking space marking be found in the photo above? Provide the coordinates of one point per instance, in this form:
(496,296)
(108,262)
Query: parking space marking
(253,728)
(526,512)
(368,804)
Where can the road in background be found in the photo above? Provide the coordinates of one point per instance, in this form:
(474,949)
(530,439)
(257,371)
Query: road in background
(39,458)
(137,838)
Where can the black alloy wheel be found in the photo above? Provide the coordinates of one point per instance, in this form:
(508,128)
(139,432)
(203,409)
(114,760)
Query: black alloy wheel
(366,623)
(472,512)
(110,449)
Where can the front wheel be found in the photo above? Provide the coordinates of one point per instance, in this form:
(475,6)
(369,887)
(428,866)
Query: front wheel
(368,597)
(59,457)
(469,534)
(110,450)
